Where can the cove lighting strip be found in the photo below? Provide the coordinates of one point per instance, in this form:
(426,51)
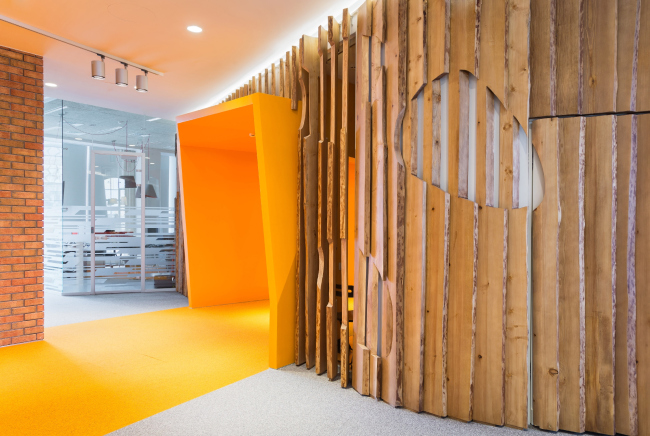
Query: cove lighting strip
(76,44)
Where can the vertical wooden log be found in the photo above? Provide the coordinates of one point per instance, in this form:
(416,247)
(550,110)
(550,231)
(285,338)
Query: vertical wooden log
(489,358)
(310,75)
(545,281)
(493,49)
(621,375)
(463,241)
(540,57)
(640,292)
(333,201)
(518,68)
(436,146)
(570,293)
(393,292)
(414,293)
(641,64)
(489,150)
(372,326)
(598,53)
(323,249)
(568,54)
(417,46)
(295,65)
(517,331)
(599,205)
(438,38)
(281,79)
(464,26)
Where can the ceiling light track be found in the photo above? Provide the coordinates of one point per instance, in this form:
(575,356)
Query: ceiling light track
(100,53)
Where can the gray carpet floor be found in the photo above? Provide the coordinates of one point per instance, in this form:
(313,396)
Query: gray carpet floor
(60,310)
(294,401)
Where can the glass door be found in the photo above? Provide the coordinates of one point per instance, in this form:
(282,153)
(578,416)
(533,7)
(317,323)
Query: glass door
(117,222)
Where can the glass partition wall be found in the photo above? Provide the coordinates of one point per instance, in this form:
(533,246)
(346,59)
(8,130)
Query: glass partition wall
(109,191)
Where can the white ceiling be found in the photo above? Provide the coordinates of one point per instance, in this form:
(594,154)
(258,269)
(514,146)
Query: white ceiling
(239,37)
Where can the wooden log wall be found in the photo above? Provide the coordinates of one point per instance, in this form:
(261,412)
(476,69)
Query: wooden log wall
(431,99)
(588,58)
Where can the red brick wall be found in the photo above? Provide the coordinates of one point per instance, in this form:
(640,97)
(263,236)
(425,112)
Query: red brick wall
(21,197)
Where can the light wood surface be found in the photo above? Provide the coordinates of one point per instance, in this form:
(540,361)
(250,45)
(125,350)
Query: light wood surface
(489,357)
(463,20)
(545,282)
(570,294)
(436,302)
(493,60)
(517,330)
(463,134)
(568,57)
(463,239)
(506,163)
(414,292)
(438,38)
(540,59)
(417,46)
(518,66)
(599,288)
(372,326)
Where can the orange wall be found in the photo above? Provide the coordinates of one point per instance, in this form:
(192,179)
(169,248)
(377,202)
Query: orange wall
(224,226)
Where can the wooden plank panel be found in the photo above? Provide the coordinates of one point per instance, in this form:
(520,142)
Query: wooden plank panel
(481,132)
(333,204)
(343,196)
(598,53)
(372,326)
(393,291)
(359,372)
(642,281)
(540,58)
(631,281)
(436,302)
(489,357)
(417,46)
(570,293)
(436,146)
(463,235)
(490,179)
(622,391)
(517,337)
(518,36)
(427,132)
(493,60)
(323,248)
(309,82)
(506,163)
(568,55)
(625,48)
(453,132)
(463,36)
(642,85)
(438,38)
(414,292)
(599,288)
(295,86)
(545,281)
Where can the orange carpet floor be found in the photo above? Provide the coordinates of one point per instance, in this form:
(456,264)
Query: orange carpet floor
(94,377)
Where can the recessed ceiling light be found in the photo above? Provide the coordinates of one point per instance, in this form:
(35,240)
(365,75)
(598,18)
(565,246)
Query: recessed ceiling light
(51,85)
(152,163)
(194,29)
(78,139)
(153,119)
(131,145)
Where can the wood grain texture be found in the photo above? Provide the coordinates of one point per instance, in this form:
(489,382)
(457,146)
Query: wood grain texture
(372,325)
(599,205)
(295,86)
(568,54)
(343,196)
(463,235)
(414,292)
(438,38)
(309,82)
(625,53)
(517,331)
(570,297)
(490,184)
(436,302)
(375,377)
(642,282)
(463,36)
(393,290)
(436,129)
(299,340)
(641,81)
(621,375)
(417,46)
(506,163)
(631,282)
(493,60)
(598,52)
(489,357)
(545,281)
(359,374)
(453,132)
(481,131)
(463,134)
(518,77)
(540,59)
(274,82)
